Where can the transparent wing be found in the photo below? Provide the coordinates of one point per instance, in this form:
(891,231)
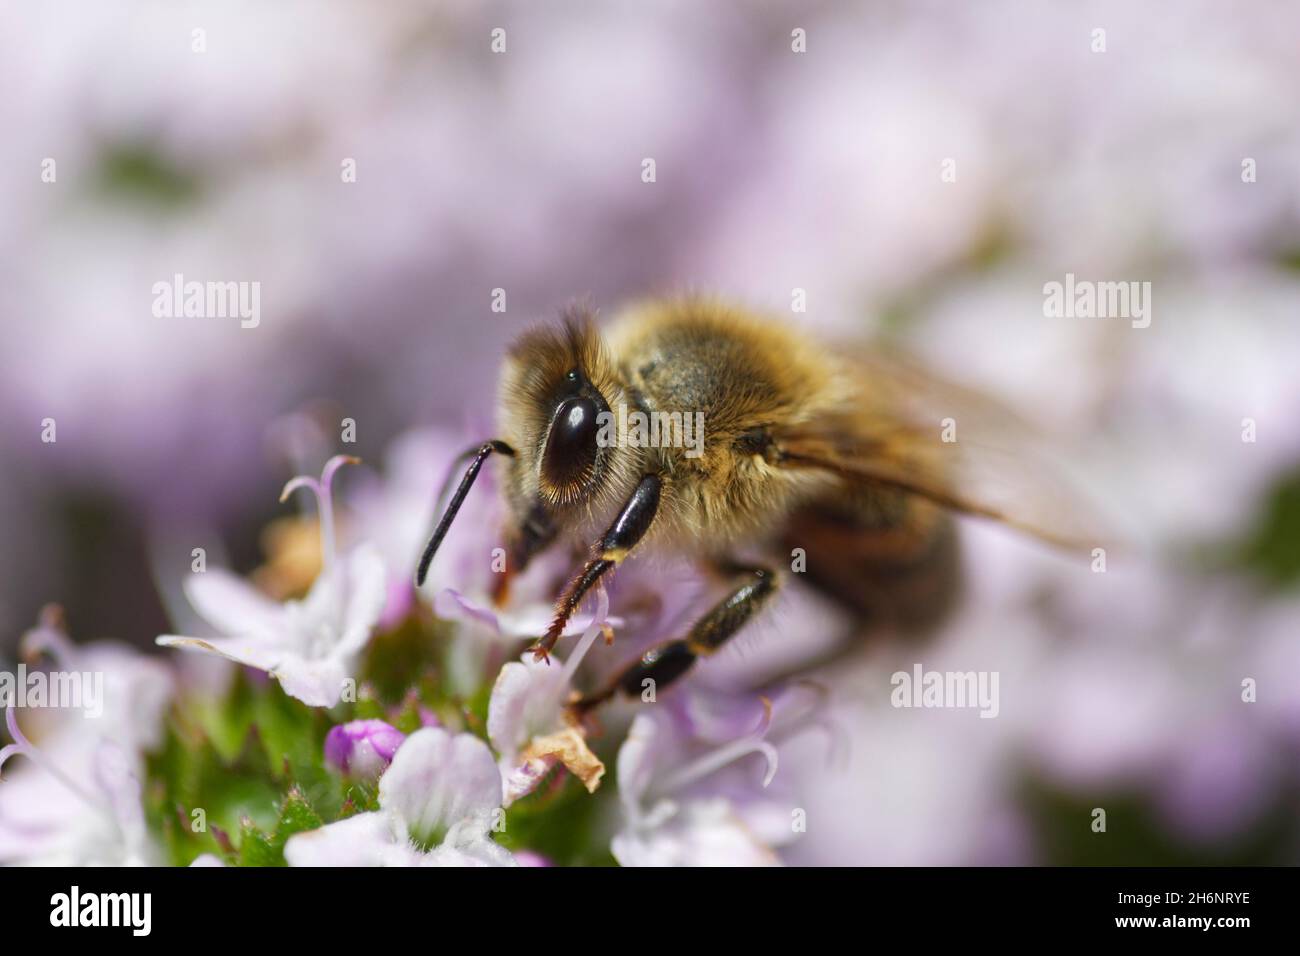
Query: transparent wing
(907,429)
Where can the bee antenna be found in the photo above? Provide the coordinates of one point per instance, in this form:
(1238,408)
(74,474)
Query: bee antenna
(480,454)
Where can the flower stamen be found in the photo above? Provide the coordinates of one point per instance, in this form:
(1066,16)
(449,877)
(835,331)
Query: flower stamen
(816,717)
(594,630)
(714,760)
(322,489)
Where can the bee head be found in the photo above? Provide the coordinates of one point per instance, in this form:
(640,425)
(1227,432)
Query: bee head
(556,392)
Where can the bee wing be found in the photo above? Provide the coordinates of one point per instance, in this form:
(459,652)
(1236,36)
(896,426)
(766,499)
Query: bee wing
(909,430)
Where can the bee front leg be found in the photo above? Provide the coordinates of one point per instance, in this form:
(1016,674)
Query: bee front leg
(664,663)
(628,529)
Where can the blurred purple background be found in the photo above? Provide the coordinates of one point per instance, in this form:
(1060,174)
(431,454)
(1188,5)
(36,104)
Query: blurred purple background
(775,170)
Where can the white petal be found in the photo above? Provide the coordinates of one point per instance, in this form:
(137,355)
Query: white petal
(121,787)
(40,837)
(521,777)
(640,754)
(525,621)
(238,649)
(532,620)
(438,783)
(703,833)
(315,683)
(525,702)
(362,840)
(137,691)
(482,852)
(233,606)
(452,605)
(367,595)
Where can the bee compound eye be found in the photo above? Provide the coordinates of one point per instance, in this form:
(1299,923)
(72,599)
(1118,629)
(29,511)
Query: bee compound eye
(571,444)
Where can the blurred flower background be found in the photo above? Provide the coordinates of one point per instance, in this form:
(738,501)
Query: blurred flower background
(1170,156)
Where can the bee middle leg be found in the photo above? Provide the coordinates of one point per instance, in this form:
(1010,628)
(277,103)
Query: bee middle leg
(664,663)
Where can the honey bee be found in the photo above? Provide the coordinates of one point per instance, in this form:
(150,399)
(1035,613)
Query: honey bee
(858,459)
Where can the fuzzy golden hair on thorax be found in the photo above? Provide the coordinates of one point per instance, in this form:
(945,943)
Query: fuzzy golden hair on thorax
(745,375)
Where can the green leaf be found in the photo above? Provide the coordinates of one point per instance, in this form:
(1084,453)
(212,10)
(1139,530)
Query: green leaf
(292,733)
(1272,546)
(226,722)
(296,815)
(256,848)
(399,659)
(136,172)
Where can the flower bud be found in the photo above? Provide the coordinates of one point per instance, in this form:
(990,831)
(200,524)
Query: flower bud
(362,748)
